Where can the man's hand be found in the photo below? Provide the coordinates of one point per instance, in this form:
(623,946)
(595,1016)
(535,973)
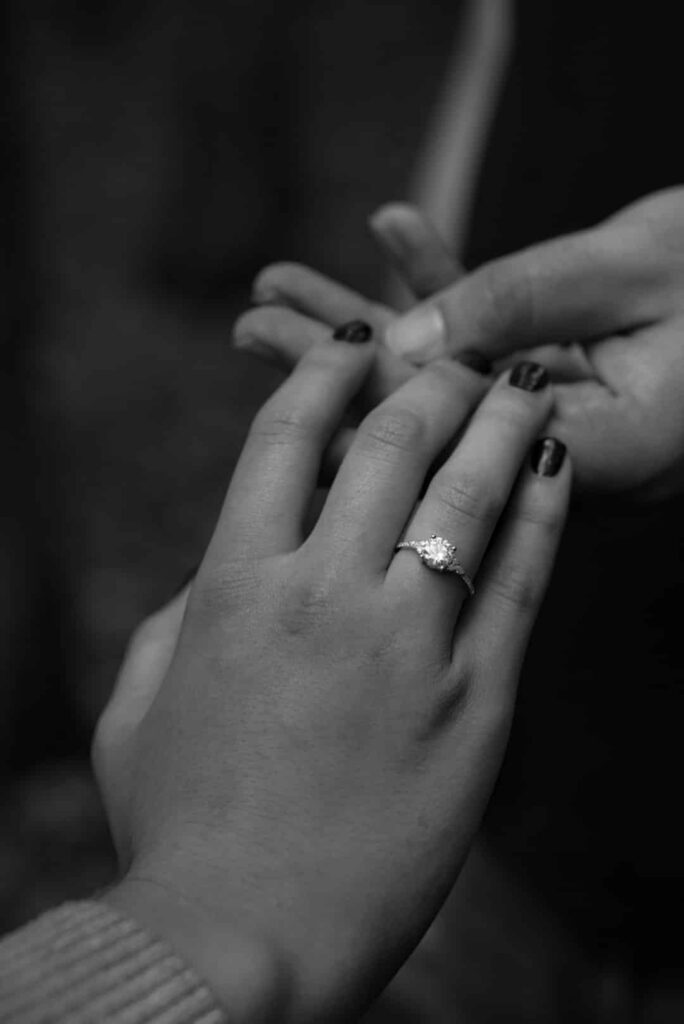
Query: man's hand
(602,309)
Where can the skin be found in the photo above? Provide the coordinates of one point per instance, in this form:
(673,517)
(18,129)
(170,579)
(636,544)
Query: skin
(602,309)
(298,752)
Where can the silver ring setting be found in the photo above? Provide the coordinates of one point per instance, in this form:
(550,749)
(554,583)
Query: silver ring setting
(440,555)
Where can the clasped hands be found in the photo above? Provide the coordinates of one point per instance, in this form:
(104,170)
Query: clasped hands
(300,747)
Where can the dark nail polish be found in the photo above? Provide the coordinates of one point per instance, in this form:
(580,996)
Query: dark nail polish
(547,456)
(474,360)
(355,331)
(529,377)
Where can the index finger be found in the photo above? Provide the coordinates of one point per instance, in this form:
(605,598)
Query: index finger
(275,477)
(574,288)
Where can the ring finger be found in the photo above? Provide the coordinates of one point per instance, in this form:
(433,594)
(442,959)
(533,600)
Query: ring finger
(390,458)
(467,495)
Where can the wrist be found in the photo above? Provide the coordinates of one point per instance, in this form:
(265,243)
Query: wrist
(243,971)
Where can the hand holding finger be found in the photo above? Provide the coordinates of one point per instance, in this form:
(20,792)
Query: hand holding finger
(570,289)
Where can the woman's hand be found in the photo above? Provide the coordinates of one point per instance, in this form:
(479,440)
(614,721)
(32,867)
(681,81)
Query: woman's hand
(293,796)
(603,310)
(298,307)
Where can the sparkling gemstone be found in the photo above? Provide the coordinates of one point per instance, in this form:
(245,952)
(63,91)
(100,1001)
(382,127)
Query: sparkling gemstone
(437,553)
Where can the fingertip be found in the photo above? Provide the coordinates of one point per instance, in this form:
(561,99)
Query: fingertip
(245,333)
(274,282)
(405,232)
(263,288)
(419,336)
(249,337)
(396,210)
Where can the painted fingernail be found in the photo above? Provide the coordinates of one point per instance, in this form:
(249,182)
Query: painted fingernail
(547,456)
(529,377)
(474,360)
(356,331)
(419,336)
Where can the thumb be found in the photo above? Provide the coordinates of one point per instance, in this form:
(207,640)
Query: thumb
(144,668)
(145,665)
(573,288)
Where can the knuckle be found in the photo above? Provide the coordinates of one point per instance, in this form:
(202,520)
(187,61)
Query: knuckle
(328,360)
(466,496)
(516,587)
(305,605)
(515,409)
(546,517)
(393,430)
(235,585)
(284,424)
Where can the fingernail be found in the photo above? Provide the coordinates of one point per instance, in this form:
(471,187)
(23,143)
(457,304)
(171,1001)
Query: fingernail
(474,360)
(258,347)
(391,237)
(265,295)
(529,376)
(547,455)
(419,336)
(356,331)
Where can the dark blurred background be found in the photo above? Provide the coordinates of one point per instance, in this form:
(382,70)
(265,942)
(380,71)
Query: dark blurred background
(156,155)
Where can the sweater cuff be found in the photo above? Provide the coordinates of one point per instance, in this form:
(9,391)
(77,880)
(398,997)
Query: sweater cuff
(85,963)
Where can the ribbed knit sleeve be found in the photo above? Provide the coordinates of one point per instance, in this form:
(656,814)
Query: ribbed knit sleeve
(84,963)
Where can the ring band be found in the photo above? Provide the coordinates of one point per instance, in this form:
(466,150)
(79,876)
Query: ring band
(438,554)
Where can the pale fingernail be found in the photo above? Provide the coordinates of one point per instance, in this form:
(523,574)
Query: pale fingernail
(419,336)
(265,295)
(257,347)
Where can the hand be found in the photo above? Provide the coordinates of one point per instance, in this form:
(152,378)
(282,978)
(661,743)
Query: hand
(603,310)
(607,305)
(298,307)
(293,797)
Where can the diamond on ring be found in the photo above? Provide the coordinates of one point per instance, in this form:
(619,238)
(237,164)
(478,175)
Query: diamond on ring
(439,554)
